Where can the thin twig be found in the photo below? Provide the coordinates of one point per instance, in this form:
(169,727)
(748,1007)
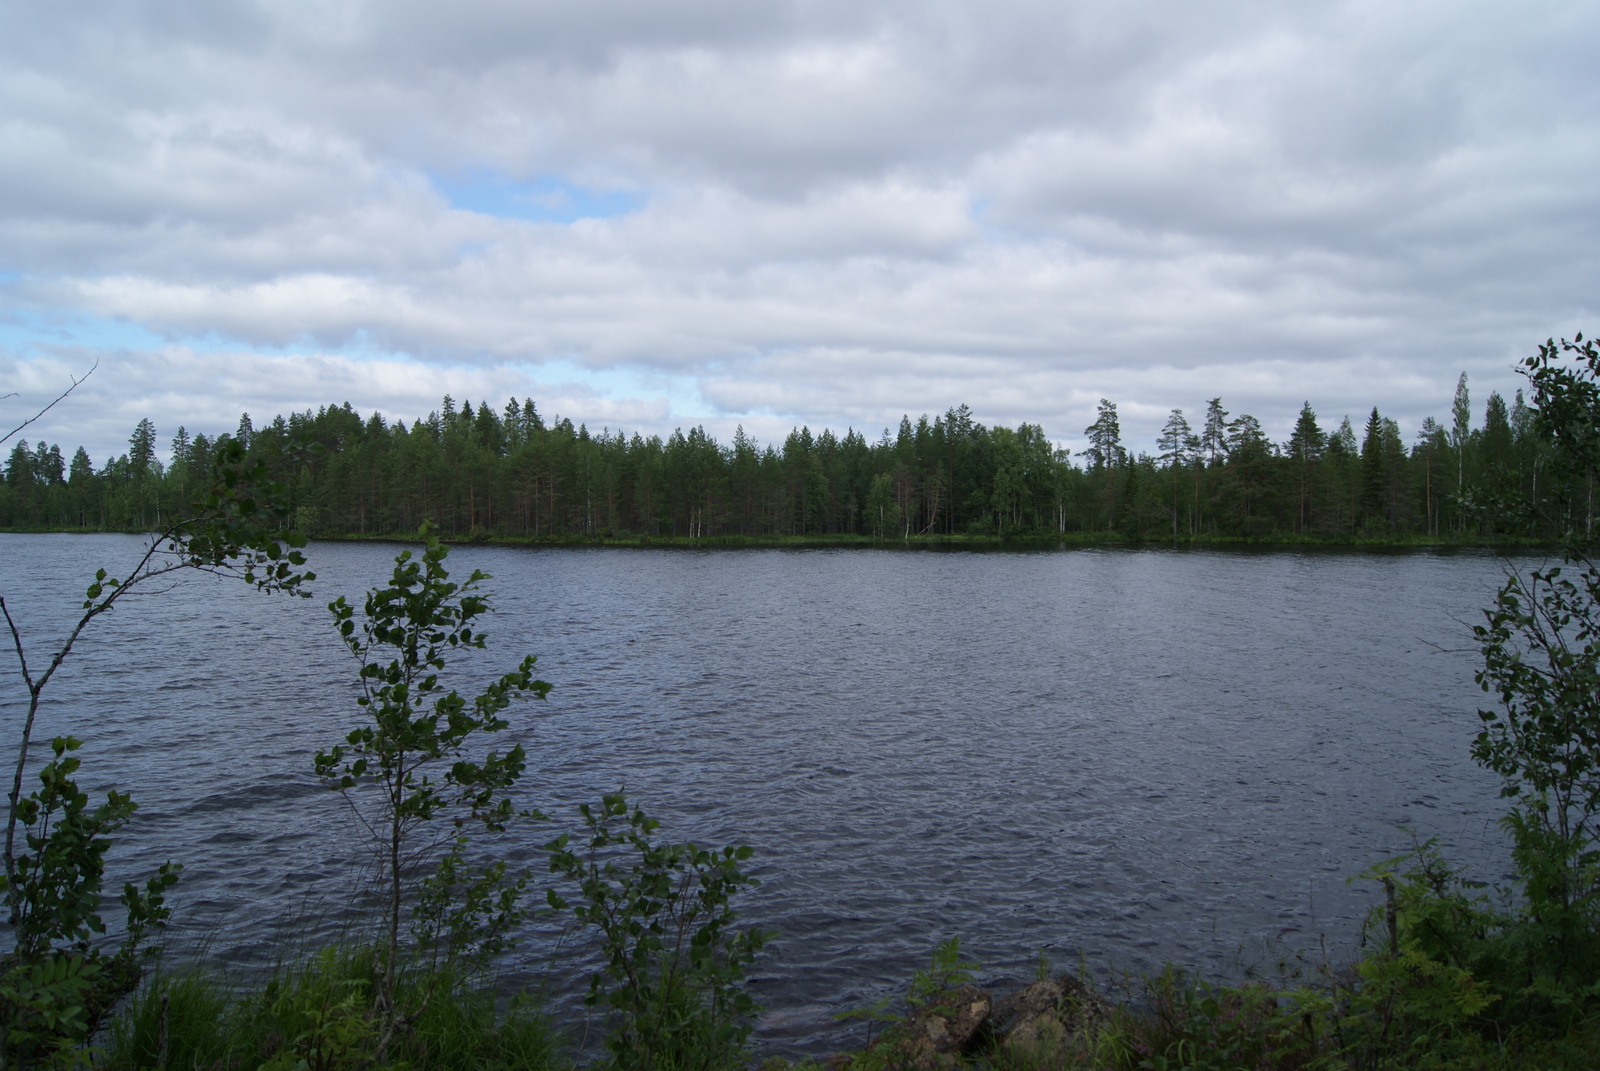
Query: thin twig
(46,409)
(16,640)
(141,572)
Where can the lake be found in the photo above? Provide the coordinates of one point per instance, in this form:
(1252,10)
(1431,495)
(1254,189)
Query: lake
(1120,757)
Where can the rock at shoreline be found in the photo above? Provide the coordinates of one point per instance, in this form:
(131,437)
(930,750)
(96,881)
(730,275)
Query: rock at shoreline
(1048,1014)
(943,1029)
(1042,1018)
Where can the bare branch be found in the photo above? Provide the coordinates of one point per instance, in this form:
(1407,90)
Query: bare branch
(1441,649)
(16,640)
(143,571)
(75,382)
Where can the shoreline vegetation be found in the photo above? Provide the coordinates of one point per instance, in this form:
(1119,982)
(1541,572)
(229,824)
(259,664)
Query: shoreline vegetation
(1408,999)
(1451,974)
(1007,541)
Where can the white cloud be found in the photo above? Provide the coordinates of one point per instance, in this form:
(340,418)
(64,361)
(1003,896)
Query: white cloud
(847,211)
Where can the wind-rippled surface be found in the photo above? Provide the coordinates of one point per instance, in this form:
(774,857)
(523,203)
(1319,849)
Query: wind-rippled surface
(1129,756)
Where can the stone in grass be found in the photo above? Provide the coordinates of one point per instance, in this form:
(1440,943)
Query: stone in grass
(938,1033)
(1048,1014)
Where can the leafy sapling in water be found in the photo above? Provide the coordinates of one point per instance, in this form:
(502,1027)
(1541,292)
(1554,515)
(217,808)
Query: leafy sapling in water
(414,761)
(1541,659)
(674,964)
(946,972)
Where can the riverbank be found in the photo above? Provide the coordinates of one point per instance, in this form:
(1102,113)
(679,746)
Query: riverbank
(1401,1005)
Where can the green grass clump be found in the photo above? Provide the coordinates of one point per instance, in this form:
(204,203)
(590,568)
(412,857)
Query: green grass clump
(319,1016)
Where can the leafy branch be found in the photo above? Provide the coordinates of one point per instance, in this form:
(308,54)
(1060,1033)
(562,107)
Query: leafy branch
(238,528)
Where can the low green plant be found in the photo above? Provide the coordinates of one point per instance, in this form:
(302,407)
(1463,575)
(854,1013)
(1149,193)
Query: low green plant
(323,1021)
(314,1017)
(1187,1023)
(58,983)
(945,972)
(174,1019)
(673,963)
(926,992)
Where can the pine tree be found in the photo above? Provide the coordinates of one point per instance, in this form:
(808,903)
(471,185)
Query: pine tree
(1105,454)
(1214,436)
(1525,444)
(1430,441)
(1105,436)
(1396,474)
(1248,454)
(1496,438)
(1174,442)
(19,466)
(142,448)
(82,470)
(48,466)
(1305,447)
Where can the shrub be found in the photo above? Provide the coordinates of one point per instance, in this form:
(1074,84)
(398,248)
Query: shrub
(673,963)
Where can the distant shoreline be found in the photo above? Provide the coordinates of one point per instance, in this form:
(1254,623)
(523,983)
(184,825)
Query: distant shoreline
(1020,541)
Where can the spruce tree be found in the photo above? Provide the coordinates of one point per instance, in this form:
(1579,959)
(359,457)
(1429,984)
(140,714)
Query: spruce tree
(1374,480)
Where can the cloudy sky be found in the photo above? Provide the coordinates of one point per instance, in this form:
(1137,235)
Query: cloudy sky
(653,213)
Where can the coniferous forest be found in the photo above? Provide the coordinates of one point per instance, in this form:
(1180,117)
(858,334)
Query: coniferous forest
(479,472)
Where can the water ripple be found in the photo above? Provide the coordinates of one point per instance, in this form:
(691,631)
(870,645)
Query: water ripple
(1129,756)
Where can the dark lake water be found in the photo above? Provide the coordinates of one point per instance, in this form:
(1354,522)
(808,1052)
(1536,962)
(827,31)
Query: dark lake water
(1123,757)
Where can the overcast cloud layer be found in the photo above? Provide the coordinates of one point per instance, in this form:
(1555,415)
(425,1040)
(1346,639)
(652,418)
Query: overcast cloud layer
(648,213)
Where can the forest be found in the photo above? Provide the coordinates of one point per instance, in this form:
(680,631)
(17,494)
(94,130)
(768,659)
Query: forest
(477,472)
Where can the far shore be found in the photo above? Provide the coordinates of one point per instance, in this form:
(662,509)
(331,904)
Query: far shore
(973,542)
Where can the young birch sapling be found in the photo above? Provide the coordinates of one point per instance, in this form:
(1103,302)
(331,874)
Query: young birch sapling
(673,963)
(412,762)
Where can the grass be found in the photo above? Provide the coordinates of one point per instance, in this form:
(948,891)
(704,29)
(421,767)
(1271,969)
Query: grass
(316,1017)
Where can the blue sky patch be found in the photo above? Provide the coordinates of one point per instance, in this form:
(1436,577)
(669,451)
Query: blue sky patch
(26,331)
(681,390)
(544,200)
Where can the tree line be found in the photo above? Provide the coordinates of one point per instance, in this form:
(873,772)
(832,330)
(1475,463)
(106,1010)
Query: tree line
(475,471)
